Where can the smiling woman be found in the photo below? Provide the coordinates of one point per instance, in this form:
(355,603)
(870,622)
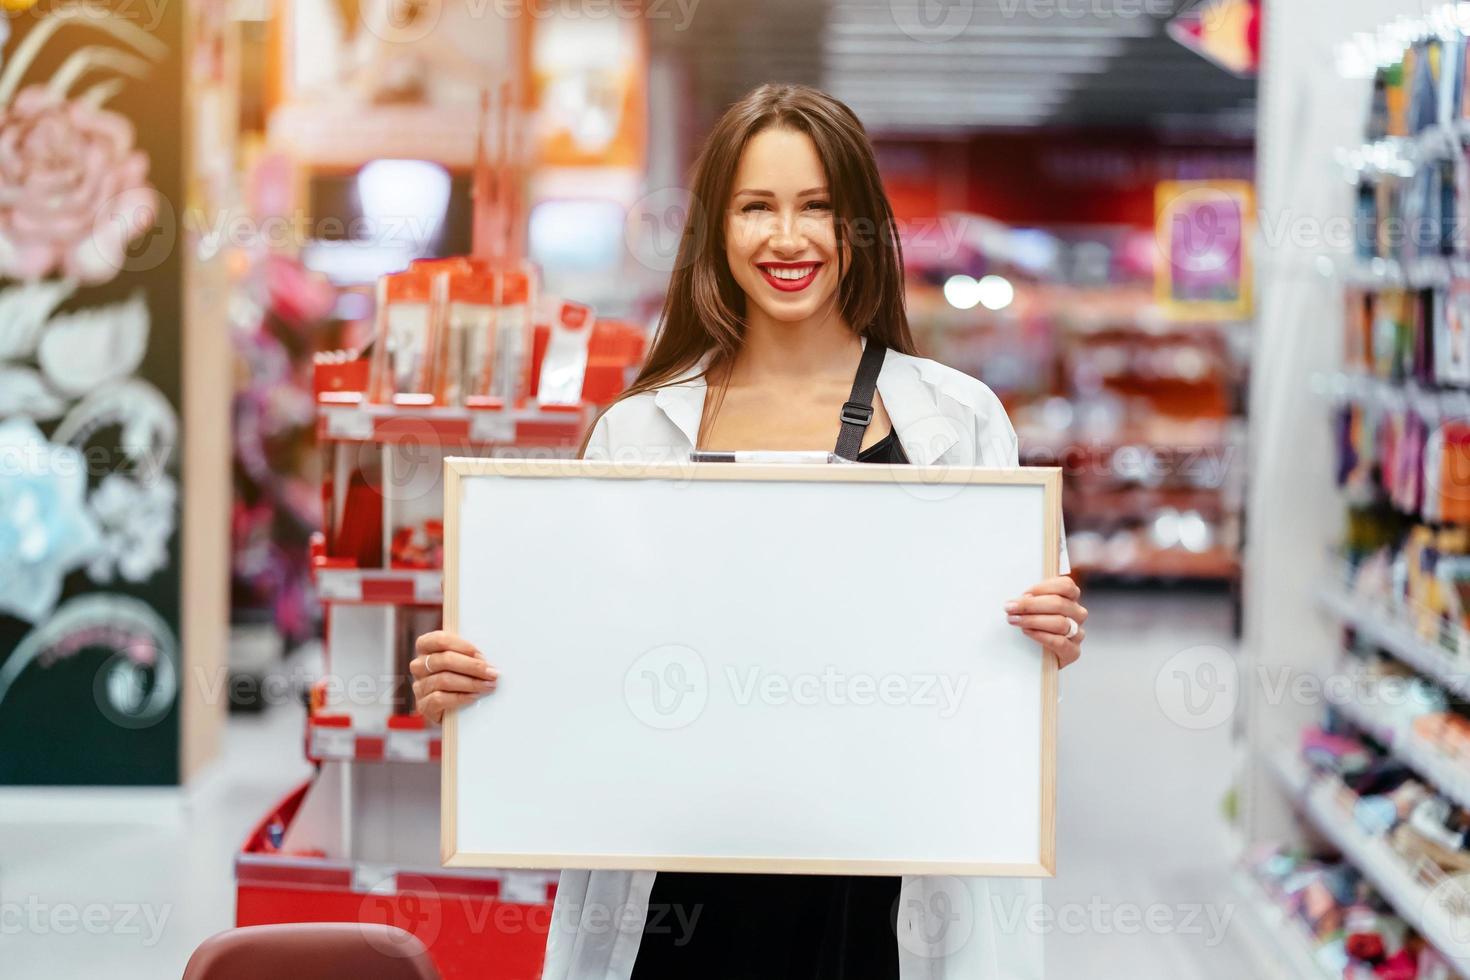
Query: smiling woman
(786,309)
(788,206)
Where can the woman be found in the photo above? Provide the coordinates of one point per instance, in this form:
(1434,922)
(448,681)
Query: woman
(787,302)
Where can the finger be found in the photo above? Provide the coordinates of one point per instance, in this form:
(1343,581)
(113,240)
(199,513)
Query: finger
(1046,604)
(459,663)
(1058,625)
(1067,651)
(443,681)
(434,706)
(1047,641)
(1060,585)
(418,666)
(441,640)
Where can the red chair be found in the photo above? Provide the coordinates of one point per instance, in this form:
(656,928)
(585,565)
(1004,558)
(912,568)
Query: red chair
(313,951)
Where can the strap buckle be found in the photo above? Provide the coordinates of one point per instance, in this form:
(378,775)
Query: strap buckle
(856,413)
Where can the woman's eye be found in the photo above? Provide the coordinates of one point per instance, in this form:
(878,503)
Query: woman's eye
(819,206)
(754,205)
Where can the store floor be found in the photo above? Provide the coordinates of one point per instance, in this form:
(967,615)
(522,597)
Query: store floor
(124,884)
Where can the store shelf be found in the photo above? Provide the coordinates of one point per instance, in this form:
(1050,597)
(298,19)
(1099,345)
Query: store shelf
(1111,503)
(1372,392)
(1290,951)
(1217,564)
(319,135)
(347,419)
(333,737)
(1449,775)
(1425,272)
(1389,629)
(276,870)
(1318,797)
(380,586)
(1402,155)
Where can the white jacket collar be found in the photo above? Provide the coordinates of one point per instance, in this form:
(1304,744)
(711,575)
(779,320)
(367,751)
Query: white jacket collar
(908,398)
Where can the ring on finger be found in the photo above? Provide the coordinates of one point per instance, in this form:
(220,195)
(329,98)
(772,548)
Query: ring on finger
(1071,628)
(429,664)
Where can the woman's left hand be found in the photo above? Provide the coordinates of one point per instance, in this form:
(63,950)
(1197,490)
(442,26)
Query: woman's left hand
(1048,613)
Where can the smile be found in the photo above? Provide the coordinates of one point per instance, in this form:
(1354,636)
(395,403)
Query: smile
(790,277)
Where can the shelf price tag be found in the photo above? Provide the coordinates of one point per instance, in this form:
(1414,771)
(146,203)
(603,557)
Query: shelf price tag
(333,743)
(348,423)
(526,887)
(428,586)
(339,586)
(407,745)
(491,426)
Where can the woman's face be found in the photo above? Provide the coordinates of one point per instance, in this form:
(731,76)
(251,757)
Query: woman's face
(780,234)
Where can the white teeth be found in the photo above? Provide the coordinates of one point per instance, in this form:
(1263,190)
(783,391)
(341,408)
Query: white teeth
(791,274)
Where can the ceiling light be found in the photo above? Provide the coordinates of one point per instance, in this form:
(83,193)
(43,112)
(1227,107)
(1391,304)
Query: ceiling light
(995,293)
(962,292)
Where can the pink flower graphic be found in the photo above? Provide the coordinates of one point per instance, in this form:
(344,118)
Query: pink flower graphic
(73,188)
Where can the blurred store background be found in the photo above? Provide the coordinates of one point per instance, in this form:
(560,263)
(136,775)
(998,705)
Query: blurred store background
(229,230)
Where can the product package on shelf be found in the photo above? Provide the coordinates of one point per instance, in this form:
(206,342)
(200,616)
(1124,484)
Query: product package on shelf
(1418,582)
(403,348)
(454,332)
(1452,77)
(515,319)
(465,364)
(1409,449)
(1424,85)
(564,364)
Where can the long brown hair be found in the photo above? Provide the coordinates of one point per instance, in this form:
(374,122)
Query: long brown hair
(704,309)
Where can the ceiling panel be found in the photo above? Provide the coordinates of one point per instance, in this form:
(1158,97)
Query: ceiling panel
(955,66)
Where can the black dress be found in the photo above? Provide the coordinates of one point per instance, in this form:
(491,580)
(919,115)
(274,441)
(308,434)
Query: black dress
(770,926)
(773,926)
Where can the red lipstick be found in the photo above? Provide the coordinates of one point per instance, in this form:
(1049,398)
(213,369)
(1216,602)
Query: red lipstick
(789,277)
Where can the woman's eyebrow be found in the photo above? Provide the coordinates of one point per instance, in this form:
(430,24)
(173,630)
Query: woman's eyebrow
(758,193)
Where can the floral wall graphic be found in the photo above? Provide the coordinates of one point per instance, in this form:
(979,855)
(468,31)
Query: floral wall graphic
(89,430)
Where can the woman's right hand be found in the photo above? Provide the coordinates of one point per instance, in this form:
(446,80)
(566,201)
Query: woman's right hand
(448,673)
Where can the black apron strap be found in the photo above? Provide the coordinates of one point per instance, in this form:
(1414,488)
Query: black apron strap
(858,411)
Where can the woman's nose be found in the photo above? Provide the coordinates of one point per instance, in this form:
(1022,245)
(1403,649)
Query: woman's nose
(786,236)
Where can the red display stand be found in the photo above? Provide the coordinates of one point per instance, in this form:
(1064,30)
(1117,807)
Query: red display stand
(481,925)
(359,842)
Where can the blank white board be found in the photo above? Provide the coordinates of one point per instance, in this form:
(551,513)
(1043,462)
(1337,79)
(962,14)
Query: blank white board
(726,667)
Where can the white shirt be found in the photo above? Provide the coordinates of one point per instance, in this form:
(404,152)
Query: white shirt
(948,928)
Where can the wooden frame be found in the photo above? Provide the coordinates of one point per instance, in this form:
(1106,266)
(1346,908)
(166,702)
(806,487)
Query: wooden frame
(1048,478)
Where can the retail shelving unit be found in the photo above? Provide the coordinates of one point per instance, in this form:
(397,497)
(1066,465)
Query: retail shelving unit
(1142,412)
(1162,498)
(360,841)
(1420,893)
(1391,629)
(1322,615)
(1288,950)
